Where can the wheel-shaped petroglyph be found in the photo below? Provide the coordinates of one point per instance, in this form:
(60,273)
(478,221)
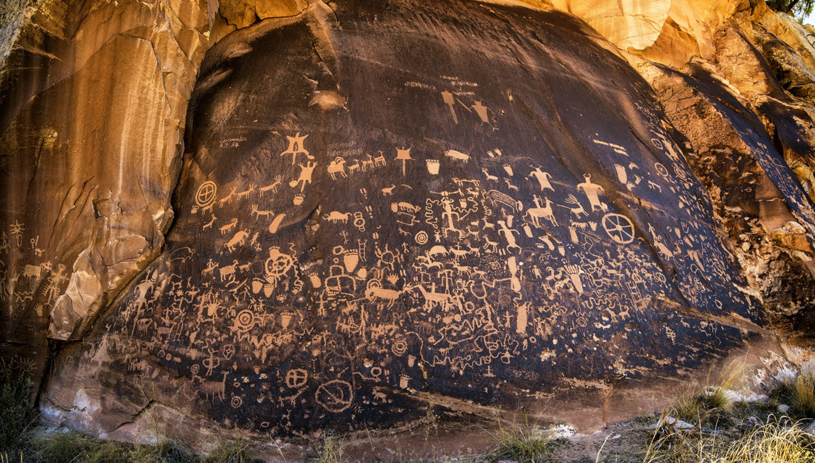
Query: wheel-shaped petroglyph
(206,194)
(335,396)
(619,228)
(296,378)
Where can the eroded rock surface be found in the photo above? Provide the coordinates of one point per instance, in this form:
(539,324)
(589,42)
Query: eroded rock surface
(373,215)
(92,113)
(388,206)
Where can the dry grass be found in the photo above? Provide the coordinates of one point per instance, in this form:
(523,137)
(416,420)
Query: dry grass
(799,393)
(774,442)
(524,444)
(705,403)
(329,450)
(234,451)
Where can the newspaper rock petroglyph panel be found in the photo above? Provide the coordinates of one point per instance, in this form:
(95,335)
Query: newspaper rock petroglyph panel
(359,219)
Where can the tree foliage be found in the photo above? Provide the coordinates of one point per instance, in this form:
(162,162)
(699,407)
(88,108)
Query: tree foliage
(798,8)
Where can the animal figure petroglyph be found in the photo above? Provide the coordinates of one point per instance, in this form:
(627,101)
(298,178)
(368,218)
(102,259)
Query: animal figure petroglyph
(541,212)
(244,194)
(503,199)
(305,175)
(228,197)
(337,167)
(405,207)
(388,191)
(368,163)
(457,155)
(379,161)
(212,389)
(336,217)
(237,240)
(435,298)
(576,208)
(510,185)
(436,251)
(273,187)
(259,213)
(490,246)
(209,224)
(489,177)
(228,271)
(229,227)
(374,292)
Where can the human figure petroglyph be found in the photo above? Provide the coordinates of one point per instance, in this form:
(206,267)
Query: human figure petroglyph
(54,282)
(4,243)
(296,147)
(542,178)
(509,235)
(210,268)
(481,111)
(305,175)
(450,101)
(16,230)
(591,190)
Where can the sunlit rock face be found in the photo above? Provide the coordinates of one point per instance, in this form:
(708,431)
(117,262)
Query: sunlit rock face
(386,204)
(93,99)
(748,113)
(668,31)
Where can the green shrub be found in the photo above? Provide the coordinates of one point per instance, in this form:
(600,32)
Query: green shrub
(16,413)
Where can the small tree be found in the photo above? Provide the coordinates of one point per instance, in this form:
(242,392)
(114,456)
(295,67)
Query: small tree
(798,8)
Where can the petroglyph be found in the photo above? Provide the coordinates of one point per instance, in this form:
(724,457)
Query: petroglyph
(356,258)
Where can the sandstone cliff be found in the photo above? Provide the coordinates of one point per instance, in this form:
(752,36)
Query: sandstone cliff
(281,216)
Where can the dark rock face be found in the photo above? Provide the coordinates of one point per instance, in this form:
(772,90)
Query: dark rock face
(754,159)
(388,204)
